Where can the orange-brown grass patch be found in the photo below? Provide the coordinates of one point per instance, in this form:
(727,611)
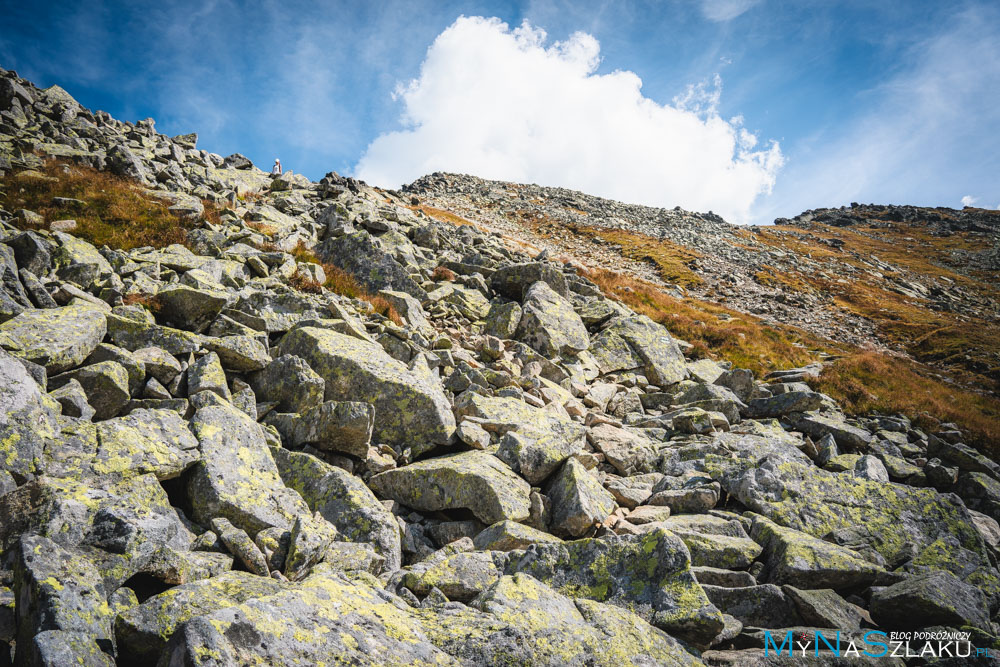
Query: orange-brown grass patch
(304,283)
(341,282)
(442,215)
(115,211)
(263,228)
(212,212)
(442,273)
(867,381)
(669,259)
(150,302)
(716,331)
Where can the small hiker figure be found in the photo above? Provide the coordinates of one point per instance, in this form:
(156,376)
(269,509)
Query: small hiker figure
(276,169)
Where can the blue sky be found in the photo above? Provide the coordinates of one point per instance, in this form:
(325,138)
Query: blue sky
(751,108)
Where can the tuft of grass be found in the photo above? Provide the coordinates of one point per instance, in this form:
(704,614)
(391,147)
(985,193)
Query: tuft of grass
(304,283)
(442,215)
(442,273)
(150,302)
(263,228)
(867,381)
(115,211)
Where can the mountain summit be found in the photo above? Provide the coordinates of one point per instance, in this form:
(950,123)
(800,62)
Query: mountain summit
(247,418)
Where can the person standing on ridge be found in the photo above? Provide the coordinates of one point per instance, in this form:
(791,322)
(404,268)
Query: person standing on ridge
(276,169)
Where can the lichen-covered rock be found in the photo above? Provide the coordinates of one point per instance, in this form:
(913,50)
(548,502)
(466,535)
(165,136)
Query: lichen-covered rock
(887,524)
(469,302)
(289,382)
(57,338)
(502,319)
(529,623)
(789,402)
(514,280)
(326,615)
(410,409)
(460,576)
(239,544)
(798,559)
(27,417)
(206,374)
(53,648)
(764,606)
(631,343)
(56,590)
(648,574)
(142,632)
(188,308)
(578,500)
(239,353)
(236,477)
(536,442)
(158,363)
(311,538)
(510,535)
(360,255)
(629,452)
(475,480)
(823,608)
(734,553)
(145,441)
(106,384)
(343,500)
(935,598)
(339,426)
(549,324)
(133,334)
(123,524)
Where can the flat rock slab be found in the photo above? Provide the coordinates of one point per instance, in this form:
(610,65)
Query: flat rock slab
(237,478)
(476,481)
(57,338)
(145,441)
(410,409)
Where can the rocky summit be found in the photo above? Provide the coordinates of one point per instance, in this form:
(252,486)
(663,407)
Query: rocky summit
(249,419)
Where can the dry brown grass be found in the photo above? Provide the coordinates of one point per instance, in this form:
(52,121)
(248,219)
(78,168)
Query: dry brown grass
(265,229)
(304,283)
(148,301)
(713,330)
(212,212)
(337,281)
(442,273)
(115,210)
(865,382)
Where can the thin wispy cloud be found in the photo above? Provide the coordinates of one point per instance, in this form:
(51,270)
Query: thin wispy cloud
(725,10)
(502,103)
(920,137)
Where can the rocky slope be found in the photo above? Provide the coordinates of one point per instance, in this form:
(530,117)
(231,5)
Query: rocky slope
(209,455)
(916,280)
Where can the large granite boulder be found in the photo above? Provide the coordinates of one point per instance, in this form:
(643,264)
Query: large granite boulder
(410,409)
(476,481)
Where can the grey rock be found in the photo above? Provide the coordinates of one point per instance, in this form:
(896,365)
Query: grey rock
(410,409)
(475,480)
(236,477)
(578,500)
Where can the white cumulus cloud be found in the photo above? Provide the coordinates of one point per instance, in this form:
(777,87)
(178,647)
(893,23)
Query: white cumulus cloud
(968,200)
(500,103)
